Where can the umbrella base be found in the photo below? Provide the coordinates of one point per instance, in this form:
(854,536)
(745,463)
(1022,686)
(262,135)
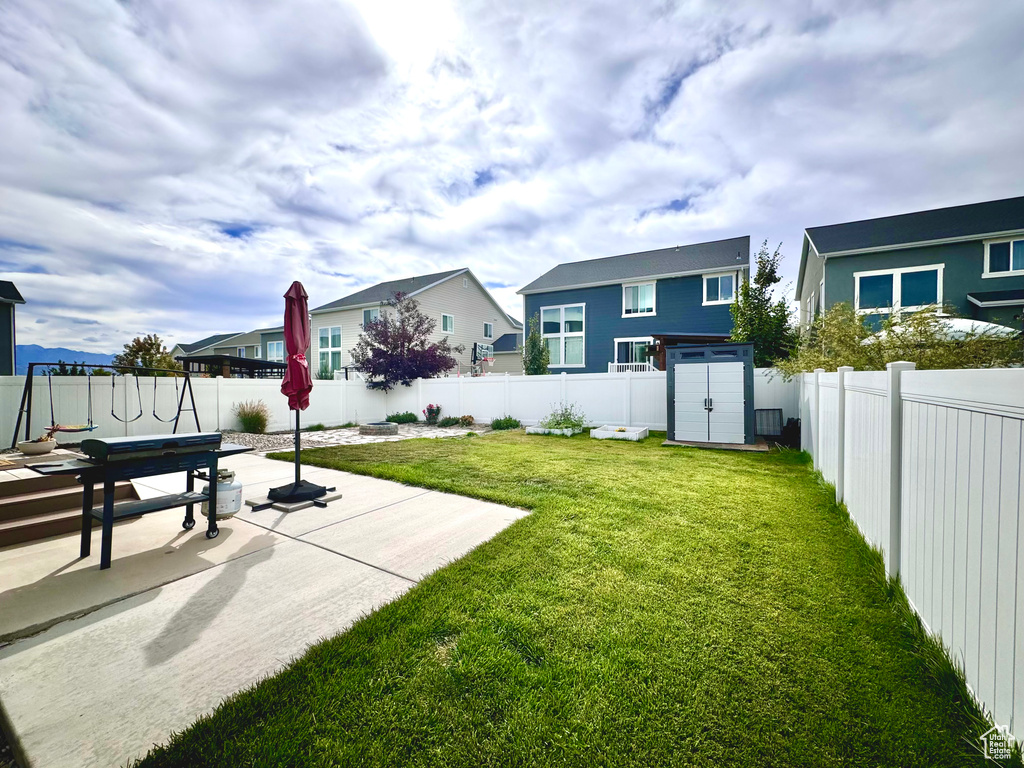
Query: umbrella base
(303,490)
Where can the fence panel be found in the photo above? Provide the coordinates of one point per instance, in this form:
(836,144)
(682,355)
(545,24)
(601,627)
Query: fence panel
(962,539)
(808,412)
(648,403)
(866,455)
(772,391)
(828,415)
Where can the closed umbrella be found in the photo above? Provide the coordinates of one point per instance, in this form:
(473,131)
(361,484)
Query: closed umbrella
(297,385)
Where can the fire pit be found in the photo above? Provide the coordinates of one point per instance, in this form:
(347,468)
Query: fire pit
(379,428)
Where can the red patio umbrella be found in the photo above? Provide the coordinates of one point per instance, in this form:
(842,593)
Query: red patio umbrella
(297,381)
(297,385)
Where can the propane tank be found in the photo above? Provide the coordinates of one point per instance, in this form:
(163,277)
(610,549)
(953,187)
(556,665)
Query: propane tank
(229,494)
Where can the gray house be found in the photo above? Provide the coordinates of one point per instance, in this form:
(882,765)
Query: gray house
(9,296)
(969,257)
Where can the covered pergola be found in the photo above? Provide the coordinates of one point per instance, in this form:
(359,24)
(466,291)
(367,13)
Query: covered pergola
(230,366)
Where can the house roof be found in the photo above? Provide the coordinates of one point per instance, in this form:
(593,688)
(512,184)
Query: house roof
(665,262)
(209,341)
(381,292)
(958,222)
(508,342)
(9,293)
(1006,298)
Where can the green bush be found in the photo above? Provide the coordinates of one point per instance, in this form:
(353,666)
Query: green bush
(506,422)
(565,416)
(403,418)
(315,428)
(465,421)
(254,416)
(448,421)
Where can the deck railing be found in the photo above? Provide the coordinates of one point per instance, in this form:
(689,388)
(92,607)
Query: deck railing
(632,367)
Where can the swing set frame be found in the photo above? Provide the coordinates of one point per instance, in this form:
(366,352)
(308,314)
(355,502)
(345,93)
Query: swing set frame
(25,409)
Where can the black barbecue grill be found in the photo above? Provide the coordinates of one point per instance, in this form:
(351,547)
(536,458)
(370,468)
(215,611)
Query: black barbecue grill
(126,458)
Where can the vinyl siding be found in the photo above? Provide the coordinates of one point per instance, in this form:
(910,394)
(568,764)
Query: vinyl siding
(470,306)
(506,362)
(6,339)
(678,309)
(962,274)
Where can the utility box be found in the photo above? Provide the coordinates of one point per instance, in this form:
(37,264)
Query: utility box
(710,393)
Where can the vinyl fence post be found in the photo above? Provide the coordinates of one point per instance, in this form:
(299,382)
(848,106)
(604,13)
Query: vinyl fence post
(504,410)
(817,416)
(562,379)
(627,402)
(895,448)
(841,432)
(217,380)
(462,410)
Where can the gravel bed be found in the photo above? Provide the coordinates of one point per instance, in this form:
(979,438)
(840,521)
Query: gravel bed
(282,441)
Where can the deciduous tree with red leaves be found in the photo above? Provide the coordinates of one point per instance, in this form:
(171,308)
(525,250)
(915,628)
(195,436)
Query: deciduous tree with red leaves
(396,347)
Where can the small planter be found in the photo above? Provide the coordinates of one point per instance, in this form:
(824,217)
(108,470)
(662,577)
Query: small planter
(546,431)
(36,447)
(608,432)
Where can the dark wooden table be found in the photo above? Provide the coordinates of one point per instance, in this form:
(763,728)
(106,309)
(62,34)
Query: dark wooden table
(198,465)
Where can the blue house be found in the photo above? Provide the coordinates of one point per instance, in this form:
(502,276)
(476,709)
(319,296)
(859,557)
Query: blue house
(601,315)
(968,258)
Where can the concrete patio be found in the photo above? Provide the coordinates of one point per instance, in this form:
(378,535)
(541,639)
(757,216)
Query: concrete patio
(100,665)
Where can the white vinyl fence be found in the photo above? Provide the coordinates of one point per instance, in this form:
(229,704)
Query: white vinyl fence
(627,398)
(929,465)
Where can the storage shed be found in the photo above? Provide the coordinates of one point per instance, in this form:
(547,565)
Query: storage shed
(710,393)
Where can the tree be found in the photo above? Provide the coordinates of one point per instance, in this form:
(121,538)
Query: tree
(145,352)
(62,369)
(841,337)
(758,318)
(536,355)
(396,348)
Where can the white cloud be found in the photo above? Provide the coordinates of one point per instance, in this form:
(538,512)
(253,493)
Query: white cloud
(170,167)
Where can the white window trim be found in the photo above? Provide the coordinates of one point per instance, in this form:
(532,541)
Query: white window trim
(257,351)
(491,336)
(615,344)
(563,335)
(1010,272)
(274,358)
(239,351)
(654,298)
(329,349)
(443,316)
(896,289)
(715,275)
(362,323)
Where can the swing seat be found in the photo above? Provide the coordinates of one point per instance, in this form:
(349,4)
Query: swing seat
(77,428)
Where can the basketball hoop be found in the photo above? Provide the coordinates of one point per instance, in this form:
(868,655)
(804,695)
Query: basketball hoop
(489,360)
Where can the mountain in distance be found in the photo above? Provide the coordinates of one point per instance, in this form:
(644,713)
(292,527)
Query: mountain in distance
(33,353)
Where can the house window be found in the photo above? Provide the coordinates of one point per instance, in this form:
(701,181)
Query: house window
(632,350)
(448,323)
(488,330)
(465,282)
(909,288)
(275,351)
(257,351)
(719,289)
(1004,257)
(638,300)
(329,348)
(369,315)
(563,331)
(240,352)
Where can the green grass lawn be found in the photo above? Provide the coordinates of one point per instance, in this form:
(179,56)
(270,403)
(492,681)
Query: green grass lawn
(659,607)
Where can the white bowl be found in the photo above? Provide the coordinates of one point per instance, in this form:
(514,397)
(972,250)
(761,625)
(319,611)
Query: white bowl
(34,448)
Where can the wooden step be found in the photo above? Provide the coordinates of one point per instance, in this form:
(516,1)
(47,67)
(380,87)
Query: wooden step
(37,483)
(41,526)
(54,500)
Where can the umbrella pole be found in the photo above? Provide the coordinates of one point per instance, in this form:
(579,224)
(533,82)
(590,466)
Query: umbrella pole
(298,448)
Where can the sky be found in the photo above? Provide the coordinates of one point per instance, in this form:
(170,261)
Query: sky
(170,166)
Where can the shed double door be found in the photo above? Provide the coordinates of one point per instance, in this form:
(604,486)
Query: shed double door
(709,402)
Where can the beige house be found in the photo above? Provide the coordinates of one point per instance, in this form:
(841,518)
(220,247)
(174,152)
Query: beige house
(464,310)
